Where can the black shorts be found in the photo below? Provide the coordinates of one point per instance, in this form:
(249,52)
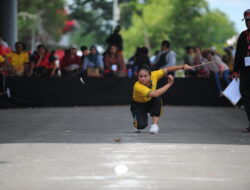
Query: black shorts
(140,111)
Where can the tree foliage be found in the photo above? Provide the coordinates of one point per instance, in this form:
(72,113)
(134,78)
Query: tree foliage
(95,19)
(40,18)
(183,23)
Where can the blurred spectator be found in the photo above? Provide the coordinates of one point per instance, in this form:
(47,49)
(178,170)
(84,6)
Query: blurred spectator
(141,58)
(114,62)
(18,58)
(189,60)
(228,58)
(85,53)
(43,62)
(116,39)
(153,57)
(219,69)
(71,63)
(201,71)
(5,68)
(93,63)
(165,58)
(4,49)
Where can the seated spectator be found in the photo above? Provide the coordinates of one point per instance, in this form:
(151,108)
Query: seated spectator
(71,63)
(153,57)
(201,71)
(43,63)
(93,63)
(189,60)
(114,62)
(228,58)
(141,58)
(85,53)
(5,68)
(219,69)
(18,58)
(131,60)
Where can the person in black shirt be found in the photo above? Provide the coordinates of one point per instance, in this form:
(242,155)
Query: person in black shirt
(116,39)
(242,66)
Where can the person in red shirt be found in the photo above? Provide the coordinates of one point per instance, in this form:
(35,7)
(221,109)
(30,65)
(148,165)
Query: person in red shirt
(71,63)
(42,63)
(113,61)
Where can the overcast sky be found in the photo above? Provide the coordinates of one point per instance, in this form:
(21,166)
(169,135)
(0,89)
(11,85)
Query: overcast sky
(234,9)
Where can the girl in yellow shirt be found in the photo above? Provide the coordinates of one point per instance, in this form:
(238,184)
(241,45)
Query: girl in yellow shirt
(146,96)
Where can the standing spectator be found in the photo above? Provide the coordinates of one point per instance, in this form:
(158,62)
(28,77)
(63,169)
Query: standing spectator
(114,62)
(242,66)
(166,57)
(218,68)
(71,63)
(116,39)
(18,58)
(43,63)
(93,63)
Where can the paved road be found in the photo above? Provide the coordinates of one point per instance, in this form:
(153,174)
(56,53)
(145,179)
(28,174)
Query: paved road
(198,148)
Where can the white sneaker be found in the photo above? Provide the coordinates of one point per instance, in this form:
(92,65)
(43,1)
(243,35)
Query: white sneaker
(154,129)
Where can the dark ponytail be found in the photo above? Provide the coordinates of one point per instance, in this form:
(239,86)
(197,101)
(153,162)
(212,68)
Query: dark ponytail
(144,67)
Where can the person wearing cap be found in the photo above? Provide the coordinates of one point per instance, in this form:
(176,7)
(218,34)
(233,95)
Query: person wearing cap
(242,66)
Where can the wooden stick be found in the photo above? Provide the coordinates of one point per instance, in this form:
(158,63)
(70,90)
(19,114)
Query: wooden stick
(203,64)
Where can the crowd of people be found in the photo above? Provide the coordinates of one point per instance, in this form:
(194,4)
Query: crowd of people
(91,63)
(42,62)
(219,67)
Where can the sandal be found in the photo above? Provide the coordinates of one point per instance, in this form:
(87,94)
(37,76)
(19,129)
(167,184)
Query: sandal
(246,130)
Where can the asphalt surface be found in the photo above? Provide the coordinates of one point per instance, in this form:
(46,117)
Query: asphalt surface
(97,148)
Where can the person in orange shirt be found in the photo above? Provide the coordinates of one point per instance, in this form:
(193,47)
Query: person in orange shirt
(18,58)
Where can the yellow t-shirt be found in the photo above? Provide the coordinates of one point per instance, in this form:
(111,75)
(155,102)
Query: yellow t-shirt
(141,91)
(1,59)
(18,60)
